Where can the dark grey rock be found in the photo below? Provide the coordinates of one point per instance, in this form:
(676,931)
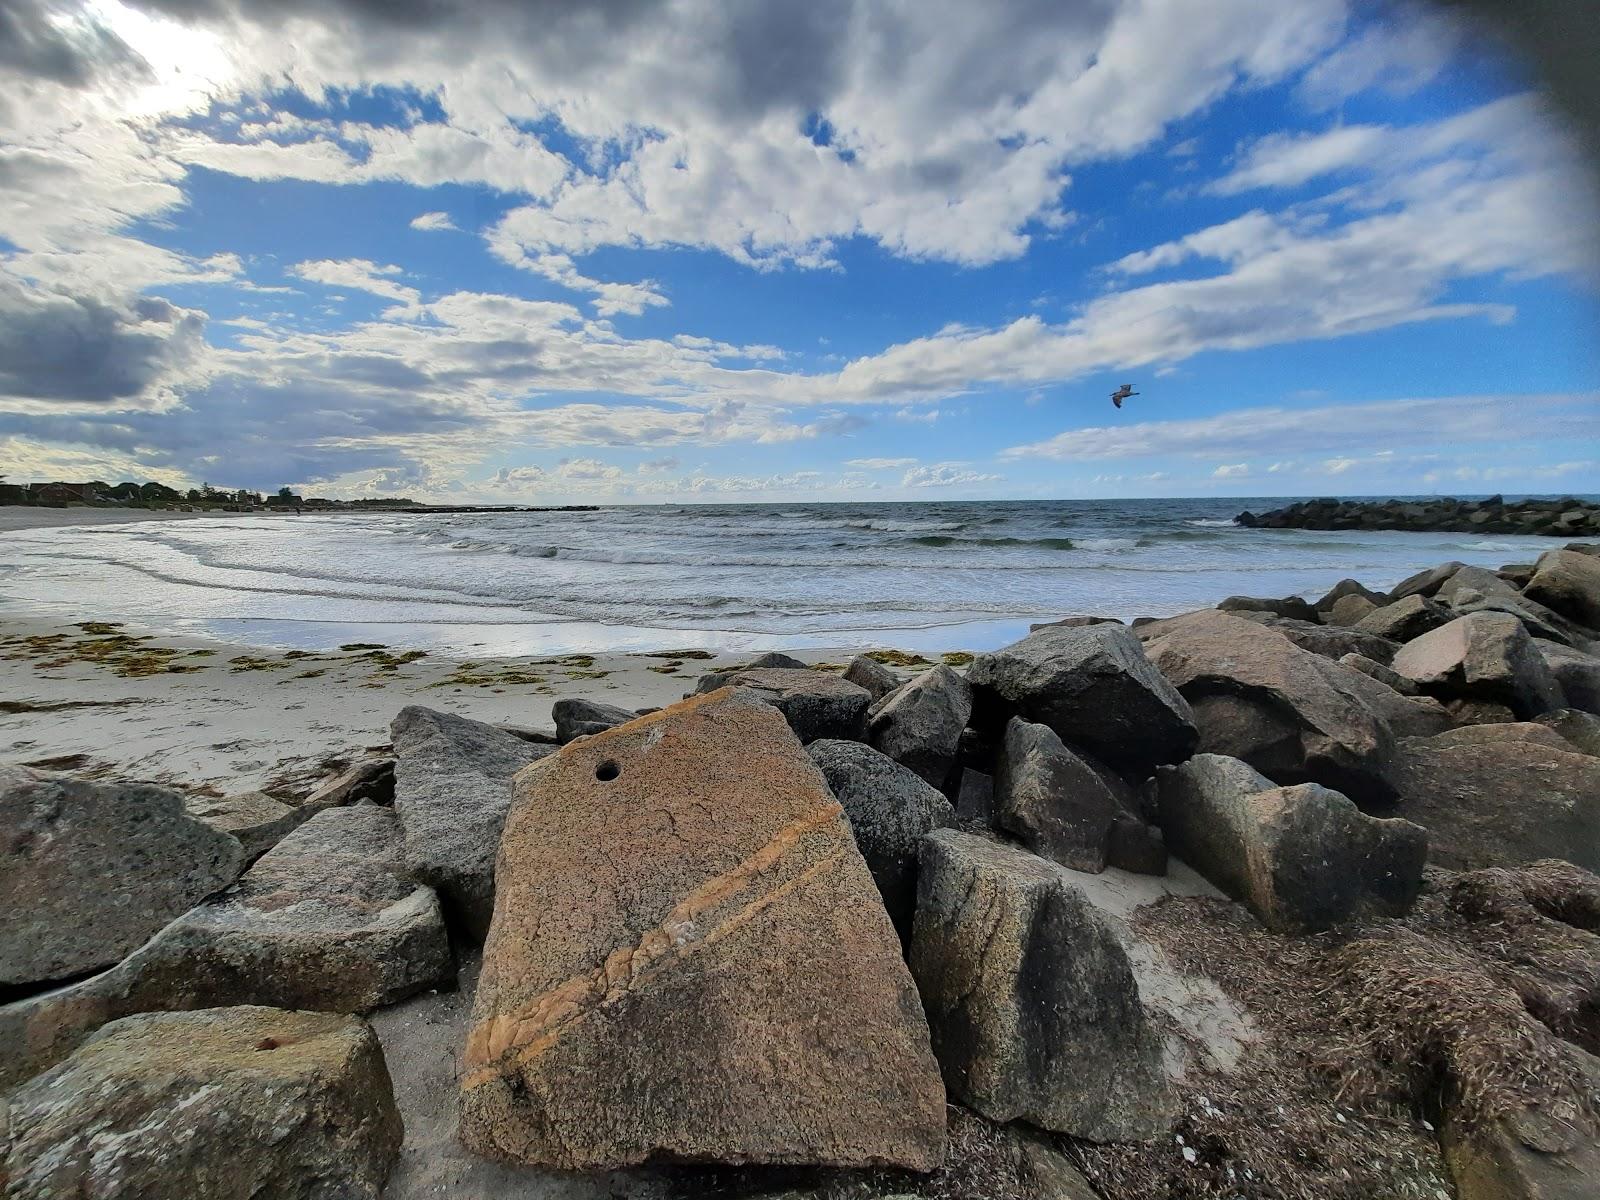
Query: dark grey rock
(871,674)
(1424,583)
(890,809)
(1404,619)
(325,920)
(1094,686)
(975,799)
(452,790)
(920,724)
(576,717)
(257,820)
(1489,800)
(1576,672)
(1052,799)
(88,871)
(1581,730)
(1294,607)
(815,704)
(1303,858)
(1032,1002)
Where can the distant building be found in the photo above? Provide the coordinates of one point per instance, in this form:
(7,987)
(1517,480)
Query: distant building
(62,493)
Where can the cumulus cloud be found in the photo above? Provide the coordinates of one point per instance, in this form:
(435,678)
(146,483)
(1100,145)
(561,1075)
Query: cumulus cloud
(1230,471)
(99,351)
(946,474)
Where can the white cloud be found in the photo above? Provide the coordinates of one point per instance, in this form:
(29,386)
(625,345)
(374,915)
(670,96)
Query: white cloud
(433,222)
(947,474)
(1256,431)
(879,464)
(1230,471)
(359,273)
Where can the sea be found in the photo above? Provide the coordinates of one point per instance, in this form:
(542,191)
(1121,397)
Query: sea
(930,576)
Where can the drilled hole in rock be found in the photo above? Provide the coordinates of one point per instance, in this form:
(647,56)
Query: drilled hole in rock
(607,771)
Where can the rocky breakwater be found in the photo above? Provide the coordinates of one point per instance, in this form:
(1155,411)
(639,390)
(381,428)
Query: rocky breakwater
(1289,898)
(1567,517)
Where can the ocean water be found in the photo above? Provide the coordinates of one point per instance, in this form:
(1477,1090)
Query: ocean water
(925,576)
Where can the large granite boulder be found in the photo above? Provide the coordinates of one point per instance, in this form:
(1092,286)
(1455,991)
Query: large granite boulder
(890,809)
(1295,716)
(1579,729)
(1576,673)
(1330,641)
(576,717)
(1384,675)
(254,818)
(1349,610)
(867,672)
(452,790)
(1033,1003)
(1303,858)
(1569,583)
(1060,806)
(1482,656)
(328,919)
(1094,686)
(1489,799)
(920,725)
(1340,591)
(816,704)
(1404,619)
(1426,582)
(88,871)
(213,1105)
(734,991)
(1480,580)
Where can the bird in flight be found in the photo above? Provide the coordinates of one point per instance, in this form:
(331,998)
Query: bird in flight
(1122,393)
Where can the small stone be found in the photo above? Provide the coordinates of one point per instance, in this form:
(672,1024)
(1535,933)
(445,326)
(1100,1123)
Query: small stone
(576,717)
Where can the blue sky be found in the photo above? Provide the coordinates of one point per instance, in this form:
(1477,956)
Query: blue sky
(526,253)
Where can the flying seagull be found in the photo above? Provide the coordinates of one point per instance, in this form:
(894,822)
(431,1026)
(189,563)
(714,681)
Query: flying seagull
(1122,393)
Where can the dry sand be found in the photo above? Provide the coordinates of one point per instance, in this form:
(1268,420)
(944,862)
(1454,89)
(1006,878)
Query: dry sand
(115,700)
(22,516)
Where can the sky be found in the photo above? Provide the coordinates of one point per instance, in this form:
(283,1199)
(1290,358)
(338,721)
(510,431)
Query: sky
(527,252)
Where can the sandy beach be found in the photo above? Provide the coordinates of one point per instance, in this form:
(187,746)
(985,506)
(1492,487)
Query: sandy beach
(24,516)
(222,718)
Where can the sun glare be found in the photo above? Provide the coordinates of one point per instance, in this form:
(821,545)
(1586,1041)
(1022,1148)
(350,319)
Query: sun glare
(187,65)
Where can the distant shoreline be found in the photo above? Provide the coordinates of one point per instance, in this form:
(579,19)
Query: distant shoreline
(36,516)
